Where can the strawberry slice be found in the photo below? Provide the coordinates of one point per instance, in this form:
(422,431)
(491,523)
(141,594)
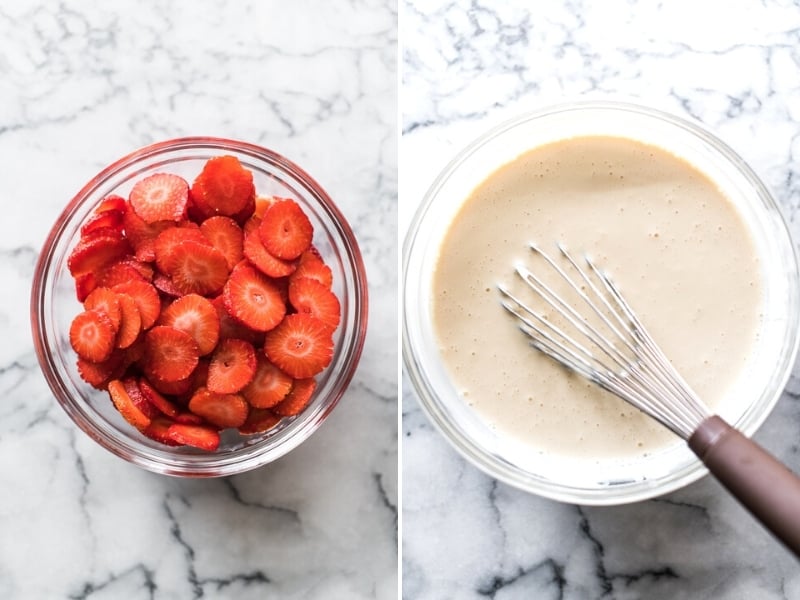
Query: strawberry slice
(130,325)
(309,296)
(125,405)
(199,436)
(160,197)
(258,421)
(232,366)
(253,299)
(165,242)
(229,327)
(158,430)
(107,301)
(146,298)
(226,236)
(142,235)
(269,385)
(98,374)
(138,398)
(154,397)
(92,335)
(224,186)
(93,254)
(247,212)
(112,202)
(189,418)
(108,219)
(195,315)
(285,230)
(197,268)
(311,265)
(124,270)
(169,354)
(262,204)
(222,410)
(300,346)
(298,398)
(173,389)
(84,284)
(254,250)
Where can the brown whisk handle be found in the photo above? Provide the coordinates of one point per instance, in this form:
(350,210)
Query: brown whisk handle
(766,487)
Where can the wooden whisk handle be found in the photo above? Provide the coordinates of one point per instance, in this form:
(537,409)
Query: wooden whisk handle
(765,486)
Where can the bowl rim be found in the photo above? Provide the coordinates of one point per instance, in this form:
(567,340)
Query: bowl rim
(423,389)
(248,457)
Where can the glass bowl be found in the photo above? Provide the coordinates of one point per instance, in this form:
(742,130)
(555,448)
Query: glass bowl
(583,480)
(54,304)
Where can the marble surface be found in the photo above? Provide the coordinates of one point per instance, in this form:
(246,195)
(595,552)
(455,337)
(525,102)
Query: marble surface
(467,65)
(83,83)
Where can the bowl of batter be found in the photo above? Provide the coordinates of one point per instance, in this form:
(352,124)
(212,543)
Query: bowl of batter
(689,233)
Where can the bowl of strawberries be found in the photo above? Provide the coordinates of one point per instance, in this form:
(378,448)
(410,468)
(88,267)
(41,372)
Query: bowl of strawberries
(200,307)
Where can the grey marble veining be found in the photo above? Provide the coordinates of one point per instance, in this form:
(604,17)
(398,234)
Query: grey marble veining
(82,84)
(468,65)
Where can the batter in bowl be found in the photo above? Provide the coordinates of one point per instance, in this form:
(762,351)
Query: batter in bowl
(671,240)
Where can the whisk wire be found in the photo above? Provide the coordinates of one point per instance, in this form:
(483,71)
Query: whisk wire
(629,364)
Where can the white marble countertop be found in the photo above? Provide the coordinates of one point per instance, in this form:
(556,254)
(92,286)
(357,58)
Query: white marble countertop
(467,65)
(84,83)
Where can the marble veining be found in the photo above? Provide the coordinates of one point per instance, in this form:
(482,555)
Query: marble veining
(82,84)
(468,65)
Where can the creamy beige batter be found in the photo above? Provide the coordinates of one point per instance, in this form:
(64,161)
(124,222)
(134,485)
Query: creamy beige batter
(671,240)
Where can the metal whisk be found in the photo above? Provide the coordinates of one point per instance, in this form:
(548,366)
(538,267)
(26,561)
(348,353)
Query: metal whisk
(608,345)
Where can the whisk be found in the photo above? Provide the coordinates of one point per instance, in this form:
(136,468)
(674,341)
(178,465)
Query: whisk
(608,345)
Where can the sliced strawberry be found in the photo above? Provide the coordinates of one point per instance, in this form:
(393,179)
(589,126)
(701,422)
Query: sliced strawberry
(92,335)
(197,268)
(107,301)
(146,298)
(125,405)
(229,327)
(174,389)
(84,285)
(112,202)
(258,421)
(262,204)
(252,299)
(138,398)
(160,197)
(311,265)
(189,418)
(169,354)
(226,236)
(224,185)
(154,397)
(199,436)
(222,410)
(165,242)
(130,325)
(285,230)
(195,315)
(98,374)
(298,398)
(123,271)
(269,385)
(109,219)
(158,430)
(232,366)
(142,235)
(93,254)
(257,254)
(301,345)
(309,296)
(247,212)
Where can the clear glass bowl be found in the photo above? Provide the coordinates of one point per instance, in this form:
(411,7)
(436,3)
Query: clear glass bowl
(53,305)
(585,481)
